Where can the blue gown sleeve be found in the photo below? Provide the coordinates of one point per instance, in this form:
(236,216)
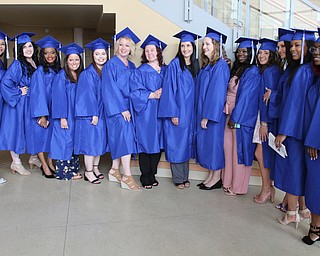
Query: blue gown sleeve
(292,121)
(38,100)
(113,99)
(215,96)
(59,96)
(10,90)
(270,79)
(86,96)
(139,94)
(168,106)
(312,138)
(245,111)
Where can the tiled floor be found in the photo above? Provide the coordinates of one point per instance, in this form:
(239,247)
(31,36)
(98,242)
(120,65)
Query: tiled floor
(46,217)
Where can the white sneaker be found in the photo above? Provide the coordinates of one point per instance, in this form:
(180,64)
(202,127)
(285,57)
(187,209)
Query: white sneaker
(2,180)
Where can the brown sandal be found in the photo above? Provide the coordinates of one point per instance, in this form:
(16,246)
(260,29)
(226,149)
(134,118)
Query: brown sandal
(114,175)
(127,182)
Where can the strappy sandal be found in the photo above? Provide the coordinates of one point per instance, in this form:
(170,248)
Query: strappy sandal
(100,176)
(228,192)
(114,175)
(180,185)
(95,181)
(186,184)
(313,230)
(76,176)
(127,182)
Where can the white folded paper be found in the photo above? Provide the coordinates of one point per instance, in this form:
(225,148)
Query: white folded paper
(281,151)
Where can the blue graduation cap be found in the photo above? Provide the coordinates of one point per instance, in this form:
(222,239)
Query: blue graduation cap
(246,42)
(4,36)
(72,48)
(127,32)
(303,34)
(268,44)
(285,34)
(151,40)
(186,36)
(24,37)
(216,35)
(98,44)
(48,42)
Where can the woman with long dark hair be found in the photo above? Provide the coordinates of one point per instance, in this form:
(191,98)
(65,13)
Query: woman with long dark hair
(14,88)
(40,102)
(211,88)
(242,110)
(116,99)
(91,131)
(63,114)
(312,191)
(177,108)
(268,64)
(146,89)
(290,172)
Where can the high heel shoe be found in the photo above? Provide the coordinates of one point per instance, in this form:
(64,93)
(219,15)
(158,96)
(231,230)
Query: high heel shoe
(217,185)
(263,197)
(127,182)
(50,176)
(313,230)
(114,175)
(95,181)
(18,168)
(304,214)
(100,176)
(286,221)
(34,161)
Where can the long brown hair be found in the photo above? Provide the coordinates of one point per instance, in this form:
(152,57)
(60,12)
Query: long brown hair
(215,56)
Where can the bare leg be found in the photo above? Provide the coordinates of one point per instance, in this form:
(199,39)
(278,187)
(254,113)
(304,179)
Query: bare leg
(127,180)
(88,161)
(96,161)
(44,163)
(126,161)
(50,164)
(216,176)
(266,190)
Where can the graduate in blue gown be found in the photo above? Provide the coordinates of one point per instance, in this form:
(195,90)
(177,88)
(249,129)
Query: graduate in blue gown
(91,131)
(146,89)
(4,52)
(290,172)
(268,64)
(40,102)
(177,108)
(211,88)
(312,141)
(116,75)
(242,111)
(63,114)
(14,89)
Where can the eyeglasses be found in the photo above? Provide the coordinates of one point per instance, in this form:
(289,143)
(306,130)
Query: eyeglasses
(313,50)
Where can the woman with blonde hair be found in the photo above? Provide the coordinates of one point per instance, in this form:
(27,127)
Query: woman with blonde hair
(116,98)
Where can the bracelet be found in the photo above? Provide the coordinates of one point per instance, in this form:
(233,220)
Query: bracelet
(264,124)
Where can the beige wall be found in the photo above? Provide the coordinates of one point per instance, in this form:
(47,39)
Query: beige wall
(132,13)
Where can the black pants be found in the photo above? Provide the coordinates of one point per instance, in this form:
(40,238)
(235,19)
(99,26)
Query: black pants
(148,166)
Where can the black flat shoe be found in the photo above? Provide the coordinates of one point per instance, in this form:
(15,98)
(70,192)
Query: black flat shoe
(50,176)
(214,186)
(200,184)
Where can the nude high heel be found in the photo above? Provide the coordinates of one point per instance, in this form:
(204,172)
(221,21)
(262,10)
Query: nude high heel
(305,214)
(18,168)
(286,221)
(34,161)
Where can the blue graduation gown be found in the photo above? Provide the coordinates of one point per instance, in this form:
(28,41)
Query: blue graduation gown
(116,99)
(40,105)
(177,100)
(148,126)
(312,187)
(12,130)
(89,139)
(63,102)
(290,172)
(1,99)
(211,87)
(269,78)
(245,113)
